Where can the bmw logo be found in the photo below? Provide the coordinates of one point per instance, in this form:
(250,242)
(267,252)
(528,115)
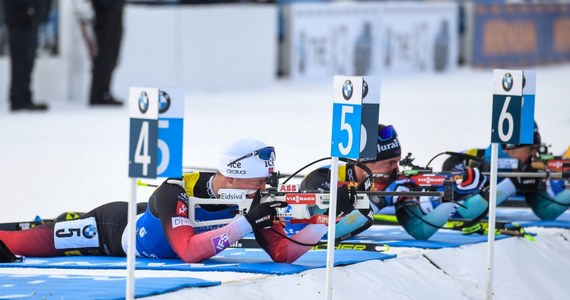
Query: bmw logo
(364,89)
(89,231)
(143,102)
(347,90)
(507,82)
(163,102)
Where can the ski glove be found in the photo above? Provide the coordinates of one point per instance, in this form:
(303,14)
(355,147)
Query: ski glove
(345,199)
(555,187)
(472,182)
(262,215)
(400,185)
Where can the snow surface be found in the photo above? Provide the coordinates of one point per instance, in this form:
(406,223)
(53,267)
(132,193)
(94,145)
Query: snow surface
(74,158)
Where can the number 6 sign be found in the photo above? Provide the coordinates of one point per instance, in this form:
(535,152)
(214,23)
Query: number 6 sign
(513,107)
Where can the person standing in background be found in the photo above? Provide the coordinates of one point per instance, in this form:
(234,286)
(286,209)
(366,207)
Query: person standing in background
(22,21)
(108,30)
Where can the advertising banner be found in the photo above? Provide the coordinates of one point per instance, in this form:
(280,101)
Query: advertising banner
(419,37)
(370,39)
(334,38)
(519,35)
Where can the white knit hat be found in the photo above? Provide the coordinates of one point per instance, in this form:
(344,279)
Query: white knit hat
(248,167)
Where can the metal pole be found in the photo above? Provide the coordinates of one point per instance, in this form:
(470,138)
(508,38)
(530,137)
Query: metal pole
(492,209)
(131,229)
(331,230)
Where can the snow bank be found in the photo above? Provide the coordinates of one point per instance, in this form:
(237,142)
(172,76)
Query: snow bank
(523,270)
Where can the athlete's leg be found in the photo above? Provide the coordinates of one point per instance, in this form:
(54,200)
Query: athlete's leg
(98,232)
(37,241)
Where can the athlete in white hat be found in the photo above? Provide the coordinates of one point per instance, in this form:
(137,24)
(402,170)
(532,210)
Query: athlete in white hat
(163,226)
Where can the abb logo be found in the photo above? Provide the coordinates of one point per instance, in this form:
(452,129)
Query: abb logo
(301,198)
(292,188)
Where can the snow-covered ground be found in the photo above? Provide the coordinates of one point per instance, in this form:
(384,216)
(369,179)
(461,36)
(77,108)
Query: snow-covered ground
(75,158)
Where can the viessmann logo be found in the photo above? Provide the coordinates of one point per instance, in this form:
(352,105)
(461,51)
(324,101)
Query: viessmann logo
(557,165)
(300,198)
(429,180)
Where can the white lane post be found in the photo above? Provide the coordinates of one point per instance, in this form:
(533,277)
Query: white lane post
(354,135)
(492,213)
(130,290)
(143,141)
(512,123)
(332,228)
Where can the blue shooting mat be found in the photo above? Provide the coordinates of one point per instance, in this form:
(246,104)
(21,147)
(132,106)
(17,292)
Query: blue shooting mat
(230,260)
(14,286)
(397,237)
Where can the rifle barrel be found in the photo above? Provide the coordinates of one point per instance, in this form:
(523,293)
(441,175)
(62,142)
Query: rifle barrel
(556,175)
(382,193)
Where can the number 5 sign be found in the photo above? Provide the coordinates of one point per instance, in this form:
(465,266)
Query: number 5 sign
(170,132)
(155,143)
(355,116)
(513,107)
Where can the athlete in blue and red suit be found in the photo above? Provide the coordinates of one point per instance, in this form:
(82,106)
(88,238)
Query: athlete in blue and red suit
(163,227)
(421,216)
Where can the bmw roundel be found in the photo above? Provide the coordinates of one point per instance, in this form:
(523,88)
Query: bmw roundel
(508,82)
(364,89)
(163,102)
(89,231)
(347,90)
(143,102)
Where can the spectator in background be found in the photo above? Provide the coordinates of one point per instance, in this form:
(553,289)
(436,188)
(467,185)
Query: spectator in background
(108,30)
(22,21)
(3,32)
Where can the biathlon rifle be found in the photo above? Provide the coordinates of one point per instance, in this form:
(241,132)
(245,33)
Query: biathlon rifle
(299,203)
(552,164)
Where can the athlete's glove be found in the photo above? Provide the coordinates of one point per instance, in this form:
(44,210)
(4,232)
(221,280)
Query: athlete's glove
(554,187)
(262,215)
(345,199)
(472,182)
(400,185)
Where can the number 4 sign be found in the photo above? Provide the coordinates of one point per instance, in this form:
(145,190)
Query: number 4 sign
(513,107)
(143,110)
